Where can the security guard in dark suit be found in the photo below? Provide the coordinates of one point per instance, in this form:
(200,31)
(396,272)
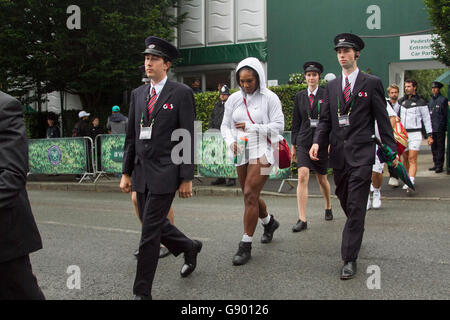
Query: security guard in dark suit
(438,107)
(354,101)
(19,235)
(158,110)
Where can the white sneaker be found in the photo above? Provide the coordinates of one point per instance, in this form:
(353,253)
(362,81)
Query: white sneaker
(405,187)
(371,188)
(376,200)
(393,182)
(369,205)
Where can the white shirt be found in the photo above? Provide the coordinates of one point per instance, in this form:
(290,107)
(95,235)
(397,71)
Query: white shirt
(158,87)
(314,92)
(351,78)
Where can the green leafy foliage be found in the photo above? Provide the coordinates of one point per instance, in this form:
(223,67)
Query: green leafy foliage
(112,152)
(439,14)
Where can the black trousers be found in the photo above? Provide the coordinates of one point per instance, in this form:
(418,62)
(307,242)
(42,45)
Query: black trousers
(17,281)
(438,149)
(156,229)
(352,189)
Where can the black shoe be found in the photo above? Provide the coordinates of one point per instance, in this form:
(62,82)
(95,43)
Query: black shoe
(269,229)
(348,270)
(218,181)
(432,168)
(300,226)
(139,297)
(243,254)
(231,182)
(163,252)
(190,259)
(136,253)
(439,170)
(328,214)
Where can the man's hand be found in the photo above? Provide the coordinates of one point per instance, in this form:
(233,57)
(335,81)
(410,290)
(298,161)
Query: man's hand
(185,189)
(313,152)
(430,140)
(395,163)
(293,154)
(125,183)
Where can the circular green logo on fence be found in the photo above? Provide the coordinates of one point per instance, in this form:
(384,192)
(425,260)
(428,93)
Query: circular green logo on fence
(54,155)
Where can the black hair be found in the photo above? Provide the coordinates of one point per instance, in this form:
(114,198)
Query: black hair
(414,82)
(255,74)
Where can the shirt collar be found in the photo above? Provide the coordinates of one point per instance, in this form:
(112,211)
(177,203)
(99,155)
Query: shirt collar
(314,92)
(352,77)
(159,86)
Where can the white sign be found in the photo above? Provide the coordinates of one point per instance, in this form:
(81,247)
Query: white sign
(416,47)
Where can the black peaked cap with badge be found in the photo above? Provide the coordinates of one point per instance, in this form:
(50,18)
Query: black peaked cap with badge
(160,47)
(436,84)
(348,40)
(312,66)
(225,90)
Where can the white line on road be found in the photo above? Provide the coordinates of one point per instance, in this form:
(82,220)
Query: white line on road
(102,228)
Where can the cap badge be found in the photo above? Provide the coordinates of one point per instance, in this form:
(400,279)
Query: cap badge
(151,46)
(342,40)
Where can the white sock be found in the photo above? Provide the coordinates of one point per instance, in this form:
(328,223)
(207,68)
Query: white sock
(246,238)
(376,189)
(265,220)
(412,179)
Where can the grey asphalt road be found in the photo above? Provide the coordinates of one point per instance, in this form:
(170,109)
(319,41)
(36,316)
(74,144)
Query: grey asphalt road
(98,232)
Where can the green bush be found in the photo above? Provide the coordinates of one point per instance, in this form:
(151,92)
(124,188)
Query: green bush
(205,103)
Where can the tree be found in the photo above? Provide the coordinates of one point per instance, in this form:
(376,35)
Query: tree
(98,60)
(439,14)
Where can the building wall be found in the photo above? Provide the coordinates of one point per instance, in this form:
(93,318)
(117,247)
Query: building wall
(302,30)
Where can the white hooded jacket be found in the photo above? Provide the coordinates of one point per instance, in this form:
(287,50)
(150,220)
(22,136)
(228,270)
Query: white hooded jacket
(273,118)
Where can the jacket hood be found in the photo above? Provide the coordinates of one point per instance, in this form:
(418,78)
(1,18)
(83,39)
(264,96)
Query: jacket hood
(117,117)
(256,65)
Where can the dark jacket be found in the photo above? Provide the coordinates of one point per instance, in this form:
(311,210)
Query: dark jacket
(217,115)
(81,128)
(353,145)
(438,107)
(95,131)
(117,123)
(19,234)
(302,133)
(53,132)
(174,109)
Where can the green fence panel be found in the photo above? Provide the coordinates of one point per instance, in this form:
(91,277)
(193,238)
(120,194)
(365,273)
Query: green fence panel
(58,156)
(214,160)
(111,152)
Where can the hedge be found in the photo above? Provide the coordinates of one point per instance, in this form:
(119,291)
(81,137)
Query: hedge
(205,103)
(36,123)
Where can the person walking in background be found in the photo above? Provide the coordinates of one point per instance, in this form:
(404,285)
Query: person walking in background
(305,117)
(53,128)
(195,86)
(393,92)
(252,115)
(438,106)
(412,110)
(352,102)
(117,123)
(19,235)
(215,122)
(95,128)
(81,128)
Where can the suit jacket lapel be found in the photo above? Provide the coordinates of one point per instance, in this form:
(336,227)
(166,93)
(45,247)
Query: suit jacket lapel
(360,80)
(164,95)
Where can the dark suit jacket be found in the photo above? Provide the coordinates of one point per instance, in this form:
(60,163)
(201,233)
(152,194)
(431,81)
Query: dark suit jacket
(217,115)
(174,109)
(353,145)
(19,234)
(302,133)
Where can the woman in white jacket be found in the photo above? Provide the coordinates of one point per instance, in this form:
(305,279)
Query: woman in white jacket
(252,122)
